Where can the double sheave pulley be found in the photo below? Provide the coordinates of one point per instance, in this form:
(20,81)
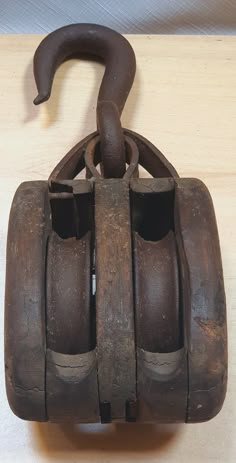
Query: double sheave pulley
(115,304)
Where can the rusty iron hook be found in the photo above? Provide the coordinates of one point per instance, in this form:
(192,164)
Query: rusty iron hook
(117,81)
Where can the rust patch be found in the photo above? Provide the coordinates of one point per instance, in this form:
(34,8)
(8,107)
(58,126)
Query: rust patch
(210,327)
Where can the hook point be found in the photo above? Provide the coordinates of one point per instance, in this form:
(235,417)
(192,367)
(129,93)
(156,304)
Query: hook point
(41,98)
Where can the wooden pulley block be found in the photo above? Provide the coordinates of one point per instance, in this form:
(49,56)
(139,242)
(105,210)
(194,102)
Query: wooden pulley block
(115,305)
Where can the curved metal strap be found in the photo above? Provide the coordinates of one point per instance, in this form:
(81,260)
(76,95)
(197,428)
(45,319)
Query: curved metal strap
(149,157)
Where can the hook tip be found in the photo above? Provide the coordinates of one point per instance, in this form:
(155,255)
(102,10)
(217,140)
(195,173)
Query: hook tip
(41,98)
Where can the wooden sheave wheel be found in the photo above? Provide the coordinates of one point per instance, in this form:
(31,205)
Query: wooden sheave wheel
(48,299)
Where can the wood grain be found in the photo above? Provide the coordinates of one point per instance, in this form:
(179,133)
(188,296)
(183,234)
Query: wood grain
(184,101)
(114,298)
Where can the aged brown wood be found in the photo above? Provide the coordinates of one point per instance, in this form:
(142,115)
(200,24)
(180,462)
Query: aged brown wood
(161,357)
(156,268)
(157,294)
(203,300)
(162,386)
(25,334)
(71,364)
(72,388)
(196,391)
(114,297)
(69,294)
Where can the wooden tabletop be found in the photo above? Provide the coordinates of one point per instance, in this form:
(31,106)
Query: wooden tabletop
(184,101)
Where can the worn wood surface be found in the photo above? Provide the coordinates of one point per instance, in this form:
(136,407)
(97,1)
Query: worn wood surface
(114,298)
(184,101)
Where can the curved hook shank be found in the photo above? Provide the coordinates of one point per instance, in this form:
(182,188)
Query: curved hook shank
(93,39)
(117,81)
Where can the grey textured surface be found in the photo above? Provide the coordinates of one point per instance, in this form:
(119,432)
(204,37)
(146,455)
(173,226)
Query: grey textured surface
(130,16)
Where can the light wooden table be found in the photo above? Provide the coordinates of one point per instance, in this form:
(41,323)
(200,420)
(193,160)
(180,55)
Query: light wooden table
(184,101)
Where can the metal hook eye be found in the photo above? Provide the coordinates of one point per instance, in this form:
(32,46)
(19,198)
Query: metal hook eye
(92,158)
